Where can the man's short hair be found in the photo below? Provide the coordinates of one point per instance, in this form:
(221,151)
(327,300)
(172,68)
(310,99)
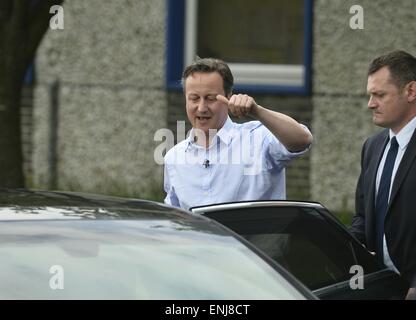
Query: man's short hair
(208,65)
(402,67)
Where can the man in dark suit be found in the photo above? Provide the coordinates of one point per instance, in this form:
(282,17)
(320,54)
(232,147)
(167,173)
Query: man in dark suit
(385,220)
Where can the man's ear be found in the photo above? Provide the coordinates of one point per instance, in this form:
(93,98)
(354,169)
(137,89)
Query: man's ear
(411,91)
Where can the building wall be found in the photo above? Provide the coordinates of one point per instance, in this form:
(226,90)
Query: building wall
(341,121)
(109,60)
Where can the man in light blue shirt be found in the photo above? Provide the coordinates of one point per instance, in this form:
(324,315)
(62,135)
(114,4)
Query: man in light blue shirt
(222,161)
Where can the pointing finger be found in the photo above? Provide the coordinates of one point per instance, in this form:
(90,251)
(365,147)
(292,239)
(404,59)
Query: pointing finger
(222,98)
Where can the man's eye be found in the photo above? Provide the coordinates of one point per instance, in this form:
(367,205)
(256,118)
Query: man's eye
(211,98)
(193,98)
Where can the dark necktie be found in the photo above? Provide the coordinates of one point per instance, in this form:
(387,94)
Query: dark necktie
(383,196)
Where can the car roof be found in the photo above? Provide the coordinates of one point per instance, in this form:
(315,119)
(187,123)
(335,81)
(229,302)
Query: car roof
(28,204)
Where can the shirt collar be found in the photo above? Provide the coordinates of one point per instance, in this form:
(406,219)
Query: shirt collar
(224,134)
(405,134)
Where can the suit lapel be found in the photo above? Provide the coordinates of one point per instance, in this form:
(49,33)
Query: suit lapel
(404,167)
(375,154)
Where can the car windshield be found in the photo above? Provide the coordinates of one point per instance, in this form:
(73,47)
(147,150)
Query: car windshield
(144,259)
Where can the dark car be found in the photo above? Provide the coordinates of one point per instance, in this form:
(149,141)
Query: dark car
(62,245)
(313,245)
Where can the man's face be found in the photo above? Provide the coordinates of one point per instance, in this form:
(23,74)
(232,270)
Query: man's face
(388,103)
(202,107)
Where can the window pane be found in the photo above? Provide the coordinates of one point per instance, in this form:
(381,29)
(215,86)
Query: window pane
(249,31)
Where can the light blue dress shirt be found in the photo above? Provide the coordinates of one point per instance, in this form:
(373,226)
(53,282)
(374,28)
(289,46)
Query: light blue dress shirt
(244,162)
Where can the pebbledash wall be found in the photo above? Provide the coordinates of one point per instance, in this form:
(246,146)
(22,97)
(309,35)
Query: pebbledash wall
(110,60)
(341,120)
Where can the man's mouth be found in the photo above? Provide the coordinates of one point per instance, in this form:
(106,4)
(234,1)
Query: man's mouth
(203,118)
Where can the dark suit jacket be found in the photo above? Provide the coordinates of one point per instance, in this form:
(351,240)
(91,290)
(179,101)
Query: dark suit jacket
(400,221)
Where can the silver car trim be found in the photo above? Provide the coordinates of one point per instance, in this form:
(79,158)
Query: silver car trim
(256,204)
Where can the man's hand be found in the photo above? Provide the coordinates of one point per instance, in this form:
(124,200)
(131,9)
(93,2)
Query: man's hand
(240,105)
(289,132)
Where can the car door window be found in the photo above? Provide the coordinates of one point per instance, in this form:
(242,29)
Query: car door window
(362,256)
(300,239)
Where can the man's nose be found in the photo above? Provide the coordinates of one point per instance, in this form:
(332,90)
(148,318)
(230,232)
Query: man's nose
(371,103)
(202,105)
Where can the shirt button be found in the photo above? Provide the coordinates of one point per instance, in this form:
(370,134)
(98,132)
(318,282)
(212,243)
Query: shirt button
(205,193)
